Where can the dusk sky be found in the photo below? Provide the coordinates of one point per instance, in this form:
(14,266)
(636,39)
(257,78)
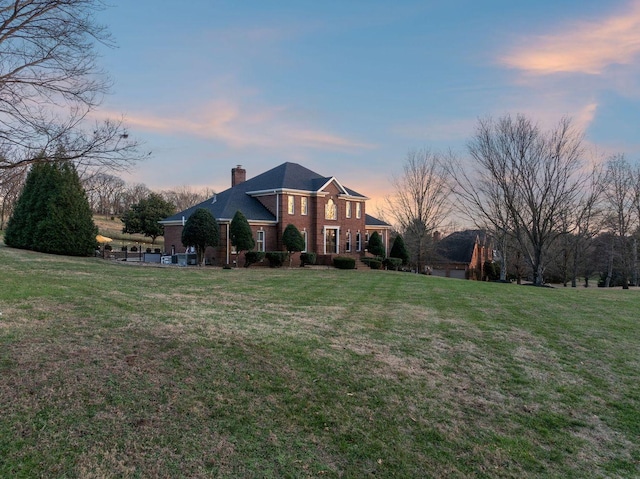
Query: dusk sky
(346,88)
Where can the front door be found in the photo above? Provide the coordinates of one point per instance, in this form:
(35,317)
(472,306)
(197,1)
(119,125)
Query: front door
(330,241)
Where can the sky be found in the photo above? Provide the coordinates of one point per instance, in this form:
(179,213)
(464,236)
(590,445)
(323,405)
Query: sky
(346,88)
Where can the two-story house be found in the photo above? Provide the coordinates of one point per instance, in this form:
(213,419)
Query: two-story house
(331,217)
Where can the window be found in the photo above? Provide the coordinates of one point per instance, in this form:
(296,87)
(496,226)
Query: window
(304,236)
(358,241)
(260,241)
(304,206)
(358,210)
(331,210)
(348,242)
(348,212)
(291,205)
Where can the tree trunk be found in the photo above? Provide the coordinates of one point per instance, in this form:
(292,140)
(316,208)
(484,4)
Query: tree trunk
(607,281)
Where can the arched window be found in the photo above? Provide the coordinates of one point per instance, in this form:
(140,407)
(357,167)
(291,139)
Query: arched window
(331,210)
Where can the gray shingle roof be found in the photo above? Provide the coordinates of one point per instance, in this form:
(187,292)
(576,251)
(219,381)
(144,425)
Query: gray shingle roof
(372,221)
(287,176)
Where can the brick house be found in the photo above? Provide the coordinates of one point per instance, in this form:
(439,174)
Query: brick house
(331,217)
(463,255)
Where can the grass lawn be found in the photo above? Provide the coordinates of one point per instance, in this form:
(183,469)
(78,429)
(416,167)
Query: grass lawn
(114,370)
(112,228)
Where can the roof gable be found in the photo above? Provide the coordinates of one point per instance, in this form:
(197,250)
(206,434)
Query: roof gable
(287,176)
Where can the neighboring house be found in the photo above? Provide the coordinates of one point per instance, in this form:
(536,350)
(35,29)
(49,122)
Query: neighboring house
(331,217)
(462,255)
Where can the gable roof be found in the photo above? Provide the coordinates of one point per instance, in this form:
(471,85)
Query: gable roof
(372,221)
(284,177)
(458,246)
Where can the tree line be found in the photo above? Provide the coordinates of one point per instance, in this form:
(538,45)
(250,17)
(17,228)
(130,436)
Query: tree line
(552,211)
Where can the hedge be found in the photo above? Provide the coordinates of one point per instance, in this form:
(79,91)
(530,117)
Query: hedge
(276,258)
(344,262)
(307,258)
(251,257)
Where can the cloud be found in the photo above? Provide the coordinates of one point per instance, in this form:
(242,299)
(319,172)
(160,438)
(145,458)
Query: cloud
(245,127)
(585,47)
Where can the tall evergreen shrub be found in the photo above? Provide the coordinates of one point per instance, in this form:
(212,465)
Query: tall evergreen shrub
(52,214)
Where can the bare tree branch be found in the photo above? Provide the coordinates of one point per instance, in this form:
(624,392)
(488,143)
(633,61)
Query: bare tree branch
(50,84)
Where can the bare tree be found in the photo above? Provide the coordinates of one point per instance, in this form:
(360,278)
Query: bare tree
(482,200)
(620,197)
(50,84)
(586,223)
(10,188)
(104,192)
(522,181)
(420,204)
(134,194)
(184,197)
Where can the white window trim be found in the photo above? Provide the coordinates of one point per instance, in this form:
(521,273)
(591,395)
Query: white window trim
(263,242)
(348,209)
(304,205)
(358,210)
(291,204)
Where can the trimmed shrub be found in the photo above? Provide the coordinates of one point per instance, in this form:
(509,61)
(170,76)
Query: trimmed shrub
(393,263)
(344,262)
(375,245)
(251,257)
(375,264)
(399,250)
(307,258)
(276,258)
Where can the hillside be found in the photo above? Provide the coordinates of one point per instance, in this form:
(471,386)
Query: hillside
(114,370)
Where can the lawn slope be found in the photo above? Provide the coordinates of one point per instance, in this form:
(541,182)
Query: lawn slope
(113,370)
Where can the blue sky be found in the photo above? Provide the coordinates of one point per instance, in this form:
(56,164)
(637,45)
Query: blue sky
(346,88)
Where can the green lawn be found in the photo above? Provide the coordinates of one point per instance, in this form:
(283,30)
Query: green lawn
(114,370)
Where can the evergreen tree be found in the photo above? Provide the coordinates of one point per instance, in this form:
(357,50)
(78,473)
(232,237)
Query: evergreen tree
(399,250)
(52,214)
(375,246)
(201,230)
(292,240)
(240,233)
(144,216)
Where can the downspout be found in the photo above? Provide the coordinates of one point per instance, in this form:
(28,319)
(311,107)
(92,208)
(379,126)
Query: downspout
(228,243)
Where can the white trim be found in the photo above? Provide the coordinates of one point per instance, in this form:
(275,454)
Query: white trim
(288,191)
(347,196)
(340,187)
(324,238)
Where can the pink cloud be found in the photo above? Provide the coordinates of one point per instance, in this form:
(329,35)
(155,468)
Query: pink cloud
(229,123)
(585,47)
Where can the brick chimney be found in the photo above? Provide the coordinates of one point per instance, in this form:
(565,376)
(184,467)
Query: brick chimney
(238,175)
